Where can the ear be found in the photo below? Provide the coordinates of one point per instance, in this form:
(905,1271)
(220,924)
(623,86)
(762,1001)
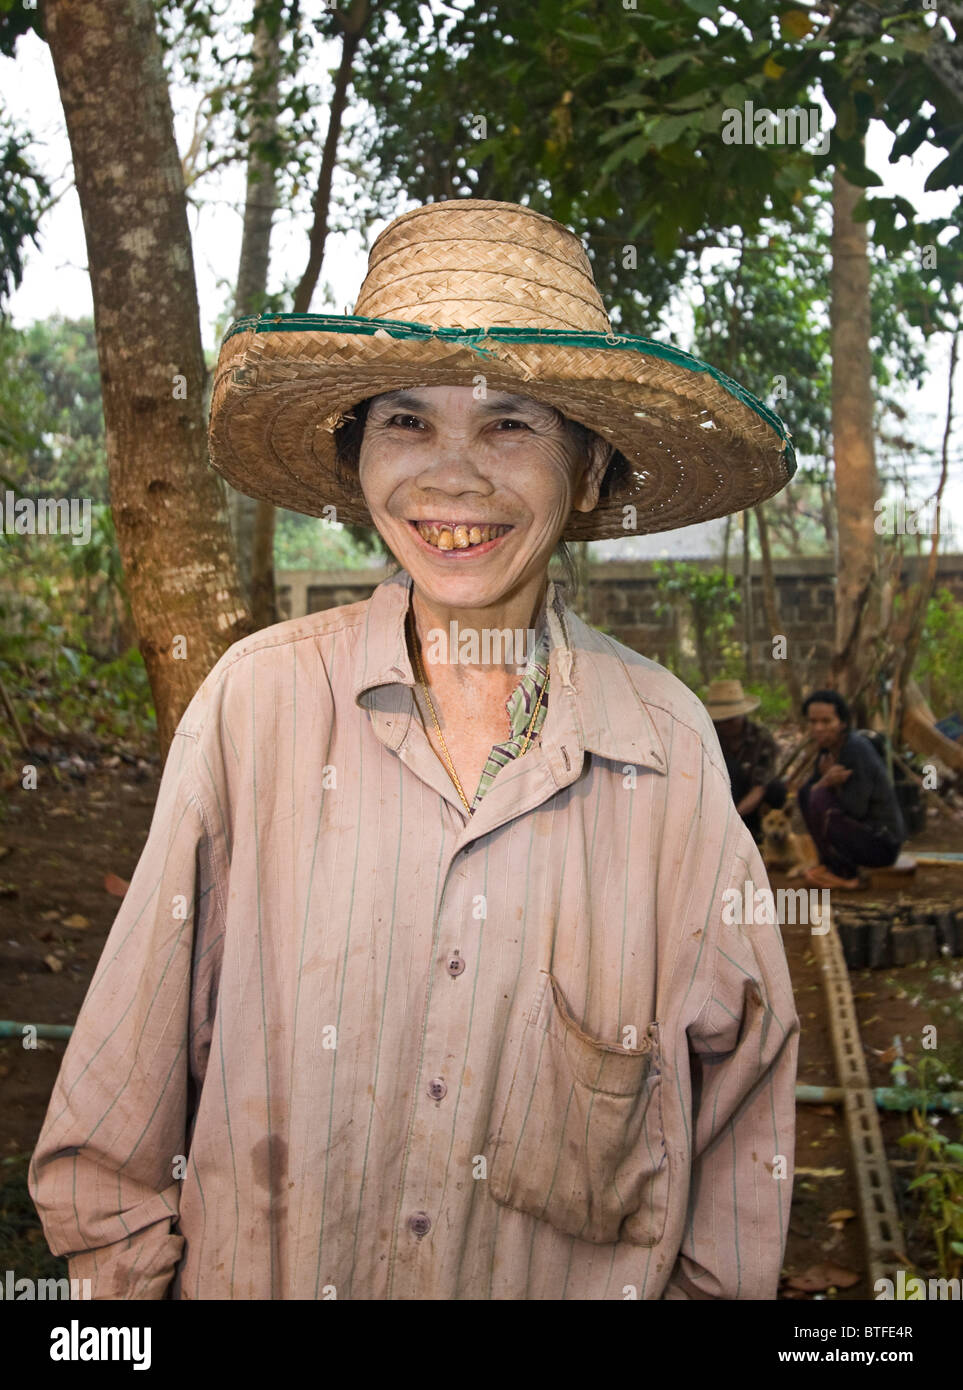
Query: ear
(593,471)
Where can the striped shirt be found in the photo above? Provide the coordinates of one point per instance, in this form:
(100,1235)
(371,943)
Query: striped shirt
(347,1041)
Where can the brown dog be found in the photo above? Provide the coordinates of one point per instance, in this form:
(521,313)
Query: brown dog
(783,851)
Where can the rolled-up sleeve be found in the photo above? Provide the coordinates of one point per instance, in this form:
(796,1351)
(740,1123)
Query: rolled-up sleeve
(105,1174)
(743,1053)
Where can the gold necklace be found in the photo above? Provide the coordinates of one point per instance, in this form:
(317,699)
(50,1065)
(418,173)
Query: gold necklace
(444,746)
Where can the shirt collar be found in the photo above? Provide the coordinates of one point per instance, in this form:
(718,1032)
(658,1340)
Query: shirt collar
(587,673)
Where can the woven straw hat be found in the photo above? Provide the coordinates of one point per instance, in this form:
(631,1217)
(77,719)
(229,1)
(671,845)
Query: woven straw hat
(726,699)
(464,288)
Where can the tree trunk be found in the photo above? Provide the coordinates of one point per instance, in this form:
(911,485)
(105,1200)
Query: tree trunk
(920,732)
(254,521)
(918,600)
(857,484)
(353,24)
(826,508)
(771,607)
(169,508)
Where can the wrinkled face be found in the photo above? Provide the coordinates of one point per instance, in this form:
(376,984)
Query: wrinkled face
(825,724)
(471,496)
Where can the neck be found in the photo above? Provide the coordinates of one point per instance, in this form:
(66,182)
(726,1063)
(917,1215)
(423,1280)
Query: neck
(489,645)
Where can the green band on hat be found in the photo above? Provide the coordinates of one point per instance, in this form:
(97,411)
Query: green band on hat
(475,339)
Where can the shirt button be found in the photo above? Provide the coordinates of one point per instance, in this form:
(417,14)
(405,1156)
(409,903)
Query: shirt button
(437,1088)
(419,1223)
(456,966)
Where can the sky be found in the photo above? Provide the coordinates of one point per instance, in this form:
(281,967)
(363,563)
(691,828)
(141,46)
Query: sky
(55,279)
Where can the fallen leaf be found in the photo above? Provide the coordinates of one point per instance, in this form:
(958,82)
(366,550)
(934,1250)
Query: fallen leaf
(115,886)
(76,920)
(60,811)
(824,1276)
(822,1172)
(824,1110)
(53,963)
(52,916)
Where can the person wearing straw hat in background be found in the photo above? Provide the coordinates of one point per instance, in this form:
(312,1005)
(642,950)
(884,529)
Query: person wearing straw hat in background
(454,1009)
(750,753)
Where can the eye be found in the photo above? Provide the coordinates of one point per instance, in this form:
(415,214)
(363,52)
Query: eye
(511,420)
(392,420)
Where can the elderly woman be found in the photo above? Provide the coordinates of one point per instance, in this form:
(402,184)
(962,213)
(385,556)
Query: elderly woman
(427,984)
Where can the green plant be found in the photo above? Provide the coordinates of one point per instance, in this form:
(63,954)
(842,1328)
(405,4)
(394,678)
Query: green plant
(939,662)
(939,1178)
(710,602)
(305,542)
(775,701)
(58,653)
(939,1159)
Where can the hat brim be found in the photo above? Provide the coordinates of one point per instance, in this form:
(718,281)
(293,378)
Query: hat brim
(697,444)
(717,713)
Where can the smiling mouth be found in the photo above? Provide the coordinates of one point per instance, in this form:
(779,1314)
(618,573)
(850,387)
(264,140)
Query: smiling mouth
(464,535)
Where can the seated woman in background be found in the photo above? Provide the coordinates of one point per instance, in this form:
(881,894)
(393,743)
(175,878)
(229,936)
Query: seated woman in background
(848,803)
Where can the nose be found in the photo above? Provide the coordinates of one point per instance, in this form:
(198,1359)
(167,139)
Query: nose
(452,468)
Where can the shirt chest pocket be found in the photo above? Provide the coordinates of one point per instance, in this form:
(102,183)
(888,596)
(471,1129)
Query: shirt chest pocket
(578,1138)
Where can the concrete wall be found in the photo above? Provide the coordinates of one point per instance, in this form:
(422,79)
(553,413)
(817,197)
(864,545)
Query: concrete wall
(623,599)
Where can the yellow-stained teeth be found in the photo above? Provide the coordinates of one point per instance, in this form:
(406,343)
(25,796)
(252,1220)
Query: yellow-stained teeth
(458,535)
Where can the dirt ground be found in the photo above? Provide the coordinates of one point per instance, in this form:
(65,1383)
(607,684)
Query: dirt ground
(57,848)
(889,1003)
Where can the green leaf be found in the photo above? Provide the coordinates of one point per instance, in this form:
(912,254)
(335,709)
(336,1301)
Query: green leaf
(667,130)
(911,139)
(916,42)
(862,177)
(664,66)
(589,39)
(694,102)
(618,131)
(949,172)
(629,103)
(632,148)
